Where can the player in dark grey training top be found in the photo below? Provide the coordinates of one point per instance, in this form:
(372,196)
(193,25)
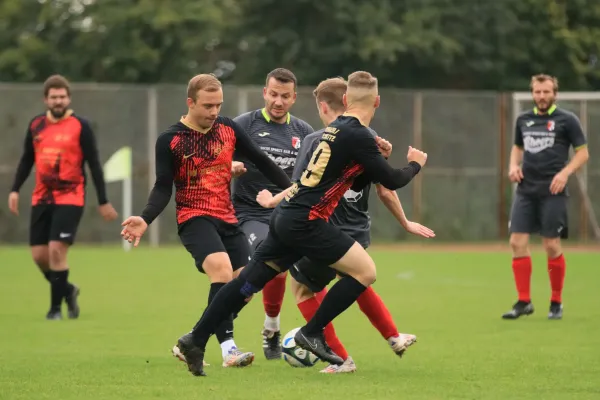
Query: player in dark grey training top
(352,216)
(539,164)
(280,135)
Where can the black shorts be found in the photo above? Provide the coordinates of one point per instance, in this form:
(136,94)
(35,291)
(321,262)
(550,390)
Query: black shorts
(51,222)
(205,235)
(256,232)
(546,215)
(313,275)
(291,239)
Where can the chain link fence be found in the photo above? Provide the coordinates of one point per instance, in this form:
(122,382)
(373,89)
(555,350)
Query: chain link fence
(463,193)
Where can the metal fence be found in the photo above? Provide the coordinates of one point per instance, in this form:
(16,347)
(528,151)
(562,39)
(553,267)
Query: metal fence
(463,193)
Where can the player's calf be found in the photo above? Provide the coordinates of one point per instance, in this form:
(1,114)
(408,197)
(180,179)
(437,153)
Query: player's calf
(273,293)
(40,256)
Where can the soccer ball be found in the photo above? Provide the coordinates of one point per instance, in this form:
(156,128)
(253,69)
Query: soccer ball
(294,355)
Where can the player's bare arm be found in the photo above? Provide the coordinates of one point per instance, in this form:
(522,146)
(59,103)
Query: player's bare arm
(267,200)
(390,199)
(237,169)
(560,180)
(134,227)
(515,173)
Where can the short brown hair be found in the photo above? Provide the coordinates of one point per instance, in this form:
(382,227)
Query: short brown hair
(206,82)
(543,78)
(362,80)
(331,91)
(56,82)
(282,75)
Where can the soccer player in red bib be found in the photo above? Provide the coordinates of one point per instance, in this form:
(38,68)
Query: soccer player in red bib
(195,155)
(59,143)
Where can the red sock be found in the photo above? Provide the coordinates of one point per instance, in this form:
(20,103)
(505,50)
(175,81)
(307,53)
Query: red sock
(321,295)
(522,271)
(374,308)
(273,293)
(556,271)
(308,308)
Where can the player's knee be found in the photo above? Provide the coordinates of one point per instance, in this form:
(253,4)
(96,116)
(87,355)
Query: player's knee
(518,243)
(41,256)
(301,292)
(255,276)
(282,275)
(218,267)
(57,255)
(237,273)
(366,276)
(553,247)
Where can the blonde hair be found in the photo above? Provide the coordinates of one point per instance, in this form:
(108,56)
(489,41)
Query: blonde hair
(362,87)
(541,78)
(331,91)
(206,82)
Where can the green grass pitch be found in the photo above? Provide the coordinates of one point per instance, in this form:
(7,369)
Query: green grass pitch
(135,305)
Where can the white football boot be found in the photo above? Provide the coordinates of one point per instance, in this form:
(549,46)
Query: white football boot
(401,342)
(235,358)
(346,367)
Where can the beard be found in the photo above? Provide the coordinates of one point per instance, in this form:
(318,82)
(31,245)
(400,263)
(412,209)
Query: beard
(58,112)
(545,106)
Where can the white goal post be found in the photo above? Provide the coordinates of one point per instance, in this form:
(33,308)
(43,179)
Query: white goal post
(522,98)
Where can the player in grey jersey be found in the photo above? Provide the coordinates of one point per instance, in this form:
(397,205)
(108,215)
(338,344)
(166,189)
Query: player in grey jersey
(280,135)
(539,164)
(352,217)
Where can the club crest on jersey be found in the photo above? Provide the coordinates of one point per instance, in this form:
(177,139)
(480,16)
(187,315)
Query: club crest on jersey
(296,142)
(550,125)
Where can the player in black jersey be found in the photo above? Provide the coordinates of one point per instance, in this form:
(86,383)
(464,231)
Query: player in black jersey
(347,157)
(351,216)
(539,164)
(280,135)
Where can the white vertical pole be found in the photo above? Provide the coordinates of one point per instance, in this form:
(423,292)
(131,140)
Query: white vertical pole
(517,109)
(152,136)
(127,205)
(242,100)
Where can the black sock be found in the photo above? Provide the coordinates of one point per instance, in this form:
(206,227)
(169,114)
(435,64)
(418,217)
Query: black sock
(339,298)
(58,282)
(227,301)
(47,274)
(225,330)
(69,287)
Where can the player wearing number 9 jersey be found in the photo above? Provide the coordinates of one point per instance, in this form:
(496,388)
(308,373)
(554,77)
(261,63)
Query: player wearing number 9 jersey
(347,157)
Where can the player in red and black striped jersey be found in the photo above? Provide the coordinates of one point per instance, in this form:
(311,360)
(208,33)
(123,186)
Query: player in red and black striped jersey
(58,143)
(346,157)
(195,155)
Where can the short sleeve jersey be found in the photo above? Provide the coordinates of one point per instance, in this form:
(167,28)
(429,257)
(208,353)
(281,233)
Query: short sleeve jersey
(545,140)
(281,142)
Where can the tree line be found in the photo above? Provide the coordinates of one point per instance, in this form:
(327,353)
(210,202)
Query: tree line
(443,44)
